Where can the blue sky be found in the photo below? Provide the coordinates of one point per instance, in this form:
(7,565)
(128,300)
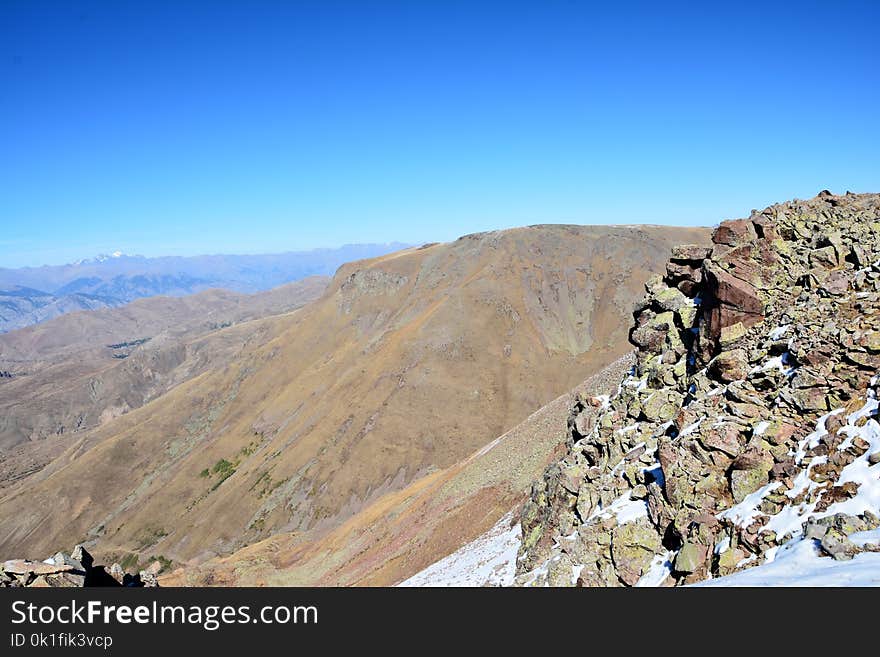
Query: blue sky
(185,127)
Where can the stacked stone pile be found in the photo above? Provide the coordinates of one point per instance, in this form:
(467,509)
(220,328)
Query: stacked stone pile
(749,419)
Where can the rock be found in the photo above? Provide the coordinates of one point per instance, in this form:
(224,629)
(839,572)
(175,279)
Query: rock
(729,366)
(732,335)
(729,559)
(749,472)
(72,579)
(691,252)
(837,283)
(870,340)
(814,530)
(82,556)
(633,546)
(662,406)
(726,438)
(117,573)
(560,571)
(729,300)
(837,545)
(803,378)
(572,477)
(721,412)
(676,272)
(653,334)
(807,399)
(687,314)
(735,233)
(825,257)
(671,299)
(21,567)
(690,558)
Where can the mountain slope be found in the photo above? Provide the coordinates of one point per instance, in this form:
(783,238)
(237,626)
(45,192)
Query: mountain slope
(351,398)
(406,530)
(749,425)
(35,294)
(23,306)
(76,371)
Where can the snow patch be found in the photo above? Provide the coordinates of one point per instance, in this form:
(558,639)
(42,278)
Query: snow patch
(490,560)
(798,563)
(623,508)
(658,571)
(778,332)
(744,513)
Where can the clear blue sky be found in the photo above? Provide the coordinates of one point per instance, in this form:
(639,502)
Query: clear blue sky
(185,127)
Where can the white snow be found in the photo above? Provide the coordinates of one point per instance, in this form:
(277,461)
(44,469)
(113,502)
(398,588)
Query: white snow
(862,473)
(689,429)
(863,538)
(623,508)
(638,384)
(790,520)
(749,559)
(744,513)
(798,563)
(778,332)
(775,363)
(490,560)
(658,571)
(813,439)
(621,464)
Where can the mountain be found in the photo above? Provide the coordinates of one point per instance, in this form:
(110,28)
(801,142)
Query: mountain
(23,306)
(715,496)
(34,294)
(747,434)
(405,531)
(406,365)
(79,370)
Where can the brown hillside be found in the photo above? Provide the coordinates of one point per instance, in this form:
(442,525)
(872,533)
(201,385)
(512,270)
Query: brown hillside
(78,370)
(405,531)
(406,365)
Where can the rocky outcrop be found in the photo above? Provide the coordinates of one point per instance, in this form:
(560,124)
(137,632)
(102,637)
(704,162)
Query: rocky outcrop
(749,419)
(74,570)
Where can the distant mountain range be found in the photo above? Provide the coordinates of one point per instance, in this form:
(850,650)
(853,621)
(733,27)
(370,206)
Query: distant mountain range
(34,294)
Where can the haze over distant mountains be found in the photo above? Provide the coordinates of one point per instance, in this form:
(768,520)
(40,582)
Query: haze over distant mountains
(34,294)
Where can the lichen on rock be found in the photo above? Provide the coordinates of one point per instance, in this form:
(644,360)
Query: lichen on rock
(749,418)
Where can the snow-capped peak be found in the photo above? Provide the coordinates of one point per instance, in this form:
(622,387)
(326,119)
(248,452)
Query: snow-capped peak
(101,257)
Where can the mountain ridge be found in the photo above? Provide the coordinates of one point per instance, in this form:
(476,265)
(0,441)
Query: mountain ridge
(340,402)
(748,428)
